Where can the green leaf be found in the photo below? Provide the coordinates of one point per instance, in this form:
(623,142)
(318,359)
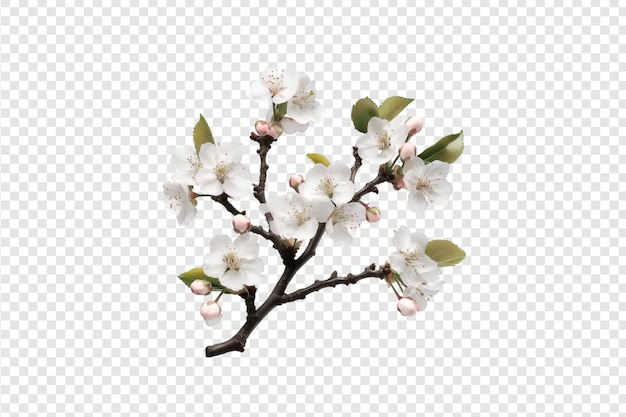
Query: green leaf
(280,111)
(362,111)
(447,149)
(318,159)
(202,133)
(444,252)
(393,106)
(197,273)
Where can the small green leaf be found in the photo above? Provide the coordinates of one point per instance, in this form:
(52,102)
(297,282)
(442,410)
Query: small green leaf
(202,133)
(444,252)
(197,273)
(318,159)
(447,149)
(280,111)
(392,107)
(362,111)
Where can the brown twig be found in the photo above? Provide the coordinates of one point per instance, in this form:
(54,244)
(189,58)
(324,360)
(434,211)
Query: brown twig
(357,163)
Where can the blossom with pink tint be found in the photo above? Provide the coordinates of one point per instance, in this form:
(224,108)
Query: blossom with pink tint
(241,223)
(201,287)
(211,312)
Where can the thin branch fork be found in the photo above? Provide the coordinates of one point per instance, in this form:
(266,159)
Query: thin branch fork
(238,341)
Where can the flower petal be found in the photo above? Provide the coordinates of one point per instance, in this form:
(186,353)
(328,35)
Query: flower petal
(259,92)
(233,279)
(418,241)
(397,262)
(417,201)
(338,171)
(437,169)
(237,183)
(220,244)
(213,265)
(410,277)
(247,246)
(290,126)
(208,154)
(402,239)
(316,174)
(184,158)
(341,235)
(424,264)
(376,125)
(207,183)
(439,193)
(231,152)
(321,209)
(416,163)
(187,213)
(343,192)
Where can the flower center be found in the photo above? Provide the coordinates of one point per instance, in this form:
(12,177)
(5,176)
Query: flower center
(327,187)
(232,261)
(411,256)
(222,169)
(383,140)
(301,217)
(423,184)
(274,81)
(303,98)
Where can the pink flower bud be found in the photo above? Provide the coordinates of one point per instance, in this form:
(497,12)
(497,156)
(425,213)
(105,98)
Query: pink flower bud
(407,306)
(241,224)
(276,129)
(211,312)
(415,124)
(262,127)
(201,287)
(407,151)
(295,180)
(372,214)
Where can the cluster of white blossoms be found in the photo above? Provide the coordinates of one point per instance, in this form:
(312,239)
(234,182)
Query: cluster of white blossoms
(279,86)
(325,196)
(213,170)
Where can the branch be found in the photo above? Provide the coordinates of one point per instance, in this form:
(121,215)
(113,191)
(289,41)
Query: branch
(265,143)
(334,280)
(223,200)
(357,163)
(382,176)
(248,296)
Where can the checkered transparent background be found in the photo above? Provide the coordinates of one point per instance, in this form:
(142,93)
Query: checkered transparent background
(94,99)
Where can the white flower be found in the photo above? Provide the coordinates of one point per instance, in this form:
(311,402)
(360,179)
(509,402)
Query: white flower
(236,263)
(179,199)
(275,84)
(302,107)
(344,222)
(382,140)
(297,217)
(222,171)
(288,125)
(416,298)
(331,183)
(411,261)
(186,163)
(426,183)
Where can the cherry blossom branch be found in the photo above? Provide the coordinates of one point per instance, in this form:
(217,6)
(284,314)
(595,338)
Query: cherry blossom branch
(334,280)
(370,187)
(357,163)
(249,296)
(254,317)
(265,143)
